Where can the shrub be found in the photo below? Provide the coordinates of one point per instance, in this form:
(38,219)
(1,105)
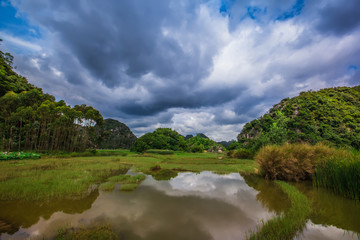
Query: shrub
(291,162)
(241,153)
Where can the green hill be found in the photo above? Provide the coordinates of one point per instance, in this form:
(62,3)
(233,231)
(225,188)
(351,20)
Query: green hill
(114,135)
(331,115)
(32,120)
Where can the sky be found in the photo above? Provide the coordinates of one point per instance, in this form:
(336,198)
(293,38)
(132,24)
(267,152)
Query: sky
(196,66)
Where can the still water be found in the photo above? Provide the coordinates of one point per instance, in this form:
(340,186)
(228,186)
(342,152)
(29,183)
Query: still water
(189,206)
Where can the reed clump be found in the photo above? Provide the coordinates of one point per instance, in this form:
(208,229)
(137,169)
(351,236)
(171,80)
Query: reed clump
(291,162)
(341,174)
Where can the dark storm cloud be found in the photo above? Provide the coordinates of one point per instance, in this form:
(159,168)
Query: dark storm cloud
(339,17)
(115,38)
(197,66)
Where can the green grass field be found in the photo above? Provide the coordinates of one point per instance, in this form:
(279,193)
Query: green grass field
(73,177)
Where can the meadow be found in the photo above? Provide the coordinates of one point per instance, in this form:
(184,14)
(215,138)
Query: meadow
(53,177)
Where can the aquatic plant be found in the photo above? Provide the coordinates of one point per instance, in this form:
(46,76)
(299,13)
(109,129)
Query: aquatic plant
(340,174)
(18,155)
(287,225)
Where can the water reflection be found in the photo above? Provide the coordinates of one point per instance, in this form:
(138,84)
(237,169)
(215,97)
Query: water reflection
(321,232)
(331,209)
(190,206)
(270,195)
(333,217)
(16,214)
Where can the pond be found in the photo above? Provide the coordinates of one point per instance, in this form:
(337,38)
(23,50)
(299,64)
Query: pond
(189,206)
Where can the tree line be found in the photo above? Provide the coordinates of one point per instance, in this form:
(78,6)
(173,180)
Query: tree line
(35,121)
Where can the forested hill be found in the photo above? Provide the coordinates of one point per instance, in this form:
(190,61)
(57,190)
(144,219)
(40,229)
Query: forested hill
(331,115)
(113,135)
(32,120)
(9,80)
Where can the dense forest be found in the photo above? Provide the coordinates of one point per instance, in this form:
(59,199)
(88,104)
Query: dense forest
(33,120)
(330,115)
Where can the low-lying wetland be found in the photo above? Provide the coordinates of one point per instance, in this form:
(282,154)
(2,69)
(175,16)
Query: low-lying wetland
(156,196)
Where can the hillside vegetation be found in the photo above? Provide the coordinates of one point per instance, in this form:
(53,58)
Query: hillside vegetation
(331,115)
(34,121)
(114,135)
(168,139)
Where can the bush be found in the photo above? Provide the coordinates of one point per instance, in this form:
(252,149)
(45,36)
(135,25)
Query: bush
(292,162)
(241,153)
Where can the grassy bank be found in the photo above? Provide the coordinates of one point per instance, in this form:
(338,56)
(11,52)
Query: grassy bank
(66,177)
(128,182)
(48,178)
(287,225)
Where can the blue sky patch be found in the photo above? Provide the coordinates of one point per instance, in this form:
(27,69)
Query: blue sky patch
(295,10)
(16,25)
(226,6)
(353,68)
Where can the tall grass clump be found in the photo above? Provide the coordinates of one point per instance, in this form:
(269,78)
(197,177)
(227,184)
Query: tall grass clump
(341,174)
(291,162)
(287,225)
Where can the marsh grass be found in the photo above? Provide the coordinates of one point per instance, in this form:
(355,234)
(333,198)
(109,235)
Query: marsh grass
(107,186)
(136,179)
(128,186)
(160,151)
(46,179)
(341,174)
(291,162)
(103,232)
(49,177)
(287,225)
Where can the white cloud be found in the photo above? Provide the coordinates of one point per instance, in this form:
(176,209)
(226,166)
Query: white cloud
(26,45)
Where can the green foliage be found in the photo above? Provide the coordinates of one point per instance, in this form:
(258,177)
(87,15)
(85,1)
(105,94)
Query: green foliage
(331,115)
(161,138)
(241,153)
(32,120)
(18,155)
(291,162)
(200,143)
(9,80)
(114,135)
(341,174)
(287,225)
(234,145)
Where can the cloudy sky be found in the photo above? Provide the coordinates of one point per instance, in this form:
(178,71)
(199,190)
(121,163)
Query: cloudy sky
(205,66)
